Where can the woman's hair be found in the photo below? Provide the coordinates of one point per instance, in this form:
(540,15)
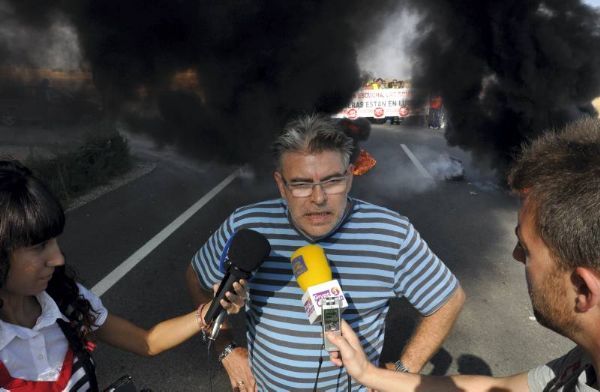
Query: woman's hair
(30,214)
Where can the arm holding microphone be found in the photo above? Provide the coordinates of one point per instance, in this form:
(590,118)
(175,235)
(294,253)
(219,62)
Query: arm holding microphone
(356,363)
(236,362)
(123,334)
(245,251)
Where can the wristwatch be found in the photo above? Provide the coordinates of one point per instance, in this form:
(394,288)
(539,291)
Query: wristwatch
(399,367)
(227,350)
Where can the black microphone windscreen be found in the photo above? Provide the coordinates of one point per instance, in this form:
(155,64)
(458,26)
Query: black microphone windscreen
(248,249)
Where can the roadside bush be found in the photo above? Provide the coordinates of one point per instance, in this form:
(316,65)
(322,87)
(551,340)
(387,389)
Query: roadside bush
(94,163)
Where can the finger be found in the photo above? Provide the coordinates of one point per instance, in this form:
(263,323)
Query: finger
(226,304)
(234,299)
(241,287)
(336,361)
(349,334)
(334,357)
(340,342)
(240,292)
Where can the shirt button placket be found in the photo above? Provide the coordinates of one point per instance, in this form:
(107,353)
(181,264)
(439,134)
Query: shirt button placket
(38,351)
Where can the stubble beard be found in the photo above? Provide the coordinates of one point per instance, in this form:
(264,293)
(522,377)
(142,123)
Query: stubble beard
(550,306)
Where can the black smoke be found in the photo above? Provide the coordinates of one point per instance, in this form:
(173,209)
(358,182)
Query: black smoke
(507,70)
(251,64)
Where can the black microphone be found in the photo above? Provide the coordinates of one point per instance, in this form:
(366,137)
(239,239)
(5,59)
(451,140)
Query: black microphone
(246,253)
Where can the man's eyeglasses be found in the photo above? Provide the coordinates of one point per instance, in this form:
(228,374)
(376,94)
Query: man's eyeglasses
(332,186)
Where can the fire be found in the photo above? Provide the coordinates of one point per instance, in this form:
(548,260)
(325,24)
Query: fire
(32,75)
(364,163)
(187,80)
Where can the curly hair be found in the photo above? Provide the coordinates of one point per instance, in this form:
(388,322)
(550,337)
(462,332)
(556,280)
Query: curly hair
(31,214)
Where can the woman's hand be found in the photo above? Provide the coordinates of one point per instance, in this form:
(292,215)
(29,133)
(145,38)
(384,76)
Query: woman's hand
(235,301)
(351,354)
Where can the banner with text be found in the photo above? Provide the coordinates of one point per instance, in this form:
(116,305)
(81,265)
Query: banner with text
(378,103)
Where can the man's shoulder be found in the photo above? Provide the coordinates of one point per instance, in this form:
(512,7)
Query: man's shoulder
(273,210)
(272,206)
(366,209)
(559,372)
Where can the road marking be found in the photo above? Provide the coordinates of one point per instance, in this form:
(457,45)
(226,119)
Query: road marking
(112,278)
(416,162)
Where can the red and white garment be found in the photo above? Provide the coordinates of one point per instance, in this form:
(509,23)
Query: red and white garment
(39,358)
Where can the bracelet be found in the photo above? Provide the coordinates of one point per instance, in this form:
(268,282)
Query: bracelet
(227,350)
(399,367)
(199,317)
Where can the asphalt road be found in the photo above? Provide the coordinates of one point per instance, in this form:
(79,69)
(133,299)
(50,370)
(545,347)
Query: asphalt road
(469,224)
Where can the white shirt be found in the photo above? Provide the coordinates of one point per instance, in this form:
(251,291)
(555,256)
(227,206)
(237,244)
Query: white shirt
(37,354)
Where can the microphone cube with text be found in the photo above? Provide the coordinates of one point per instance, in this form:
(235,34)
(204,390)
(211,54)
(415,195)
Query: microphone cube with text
(314,277)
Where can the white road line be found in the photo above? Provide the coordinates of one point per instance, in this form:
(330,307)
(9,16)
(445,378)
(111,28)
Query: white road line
(112,278)
(416,162)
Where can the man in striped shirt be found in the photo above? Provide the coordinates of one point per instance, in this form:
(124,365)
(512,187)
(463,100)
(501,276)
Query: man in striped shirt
(375,254)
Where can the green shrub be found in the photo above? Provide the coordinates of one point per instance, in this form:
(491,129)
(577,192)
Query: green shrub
(94,163)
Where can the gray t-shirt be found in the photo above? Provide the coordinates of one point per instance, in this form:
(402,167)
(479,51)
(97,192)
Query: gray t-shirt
(569,373)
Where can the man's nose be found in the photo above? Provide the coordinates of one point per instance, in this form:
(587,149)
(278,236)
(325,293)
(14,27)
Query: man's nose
(318,195)
(519,253)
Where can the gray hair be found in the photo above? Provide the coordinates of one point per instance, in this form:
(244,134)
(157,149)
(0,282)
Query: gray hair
(312,133)
(559,173)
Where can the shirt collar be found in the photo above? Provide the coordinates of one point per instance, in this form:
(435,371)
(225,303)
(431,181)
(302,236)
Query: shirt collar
(347,213)
(50,313)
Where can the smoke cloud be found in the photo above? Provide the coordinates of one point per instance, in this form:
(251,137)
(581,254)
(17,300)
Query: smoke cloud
(219,79)
(216,79)
(507,70)
(386,55)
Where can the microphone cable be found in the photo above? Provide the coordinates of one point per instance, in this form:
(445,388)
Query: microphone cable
(319,372)
(211,366)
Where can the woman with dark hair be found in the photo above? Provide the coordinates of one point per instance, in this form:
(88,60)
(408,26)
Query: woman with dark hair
(47,319)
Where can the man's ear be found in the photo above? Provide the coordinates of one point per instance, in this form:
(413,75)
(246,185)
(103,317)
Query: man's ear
(587,286)
(280,185)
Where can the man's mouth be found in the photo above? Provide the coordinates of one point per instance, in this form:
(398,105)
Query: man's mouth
(318,217)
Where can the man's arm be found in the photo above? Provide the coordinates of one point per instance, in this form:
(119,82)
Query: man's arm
(353,358)
(430,333)
(236,363)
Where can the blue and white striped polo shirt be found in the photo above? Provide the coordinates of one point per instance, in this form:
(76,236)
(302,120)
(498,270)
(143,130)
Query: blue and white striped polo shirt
(375,254)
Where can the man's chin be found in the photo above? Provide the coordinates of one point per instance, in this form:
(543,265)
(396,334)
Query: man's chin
(552,324)
(318,230)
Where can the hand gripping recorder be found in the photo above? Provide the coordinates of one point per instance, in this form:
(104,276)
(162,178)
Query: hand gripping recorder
(314,276)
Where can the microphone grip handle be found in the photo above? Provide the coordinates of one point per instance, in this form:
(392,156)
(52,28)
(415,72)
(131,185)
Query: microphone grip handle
(216,328)
(215,307)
